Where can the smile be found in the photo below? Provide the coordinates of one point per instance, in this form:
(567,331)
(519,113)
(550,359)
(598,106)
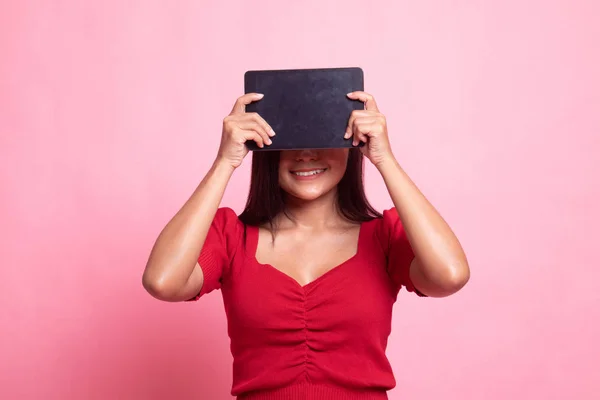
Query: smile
(309,173)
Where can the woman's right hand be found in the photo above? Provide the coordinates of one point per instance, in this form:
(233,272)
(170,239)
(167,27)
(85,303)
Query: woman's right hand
(240,126)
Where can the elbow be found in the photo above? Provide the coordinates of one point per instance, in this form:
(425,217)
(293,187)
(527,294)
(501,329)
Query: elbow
(440,279)
(460,276)
(158,286)
(456,277)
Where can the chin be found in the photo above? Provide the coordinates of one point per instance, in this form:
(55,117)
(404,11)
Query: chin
(306,195)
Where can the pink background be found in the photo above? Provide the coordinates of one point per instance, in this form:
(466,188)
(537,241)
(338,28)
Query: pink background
(110,113)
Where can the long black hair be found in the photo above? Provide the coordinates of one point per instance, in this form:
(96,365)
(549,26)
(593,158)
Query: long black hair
(266,199)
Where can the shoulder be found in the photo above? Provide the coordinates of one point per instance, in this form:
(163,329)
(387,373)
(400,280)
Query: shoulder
(227,221)
(388,220)
(391,216)
(225,214)
(226,232)
(388,226)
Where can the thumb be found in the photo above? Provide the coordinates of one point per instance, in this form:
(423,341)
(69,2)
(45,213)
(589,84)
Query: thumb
(240,105)
(370,104)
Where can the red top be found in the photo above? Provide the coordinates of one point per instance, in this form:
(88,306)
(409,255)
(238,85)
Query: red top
(323,340)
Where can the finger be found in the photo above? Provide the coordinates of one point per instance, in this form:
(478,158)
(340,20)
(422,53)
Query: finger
(253,125)
(353,118)
(241,103)
(362,131)
(254,136)
(359,137)
(362,117)
(351,122)
(369,100)
(261,121)
(359,117)
(349,128)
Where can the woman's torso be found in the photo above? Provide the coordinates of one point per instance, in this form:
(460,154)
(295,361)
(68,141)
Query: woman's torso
(321,334)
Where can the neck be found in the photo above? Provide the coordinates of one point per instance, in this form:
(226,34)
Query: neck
(316,213)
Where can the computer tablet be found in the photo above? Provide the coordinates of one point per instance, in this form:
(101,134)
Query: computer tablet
(307,108)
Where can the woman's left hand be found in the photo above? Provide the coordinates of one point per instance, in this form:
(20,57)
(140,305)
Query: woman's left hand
(369,126)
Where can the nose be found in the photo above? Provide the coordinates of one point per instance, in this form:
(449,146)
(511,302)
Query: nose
(306,155)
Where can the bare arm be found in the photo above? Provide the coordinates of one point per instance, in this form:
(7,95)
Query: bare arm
(172,272)
(440,266)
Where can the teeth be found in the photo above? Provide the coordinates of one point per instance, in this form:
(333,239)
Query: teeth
(309,173)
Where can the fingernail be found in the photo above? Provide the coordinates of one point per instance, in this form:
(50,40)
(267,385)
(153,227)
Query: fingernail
(349,94)
(272,132)
(260,95)
(269,141)
(346,135)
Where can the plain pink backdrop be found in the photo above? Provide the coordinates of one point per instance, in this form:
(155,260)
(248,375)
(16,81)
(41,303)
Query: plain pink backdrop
(110,113)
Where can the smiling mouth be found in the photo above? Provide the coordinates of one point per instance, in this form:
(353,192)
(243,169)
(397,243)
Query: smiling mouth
(309,173)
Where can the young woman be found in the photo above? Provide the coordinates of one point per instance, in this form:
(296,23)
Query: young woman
(309,271)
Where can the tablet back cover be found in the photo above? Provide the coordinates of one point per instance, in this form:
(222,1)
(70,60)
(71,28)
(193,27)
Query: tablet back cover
(307,108)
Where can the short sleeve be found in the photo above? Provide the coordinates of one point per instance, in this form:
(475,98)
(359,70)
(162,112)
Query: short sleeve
(219,248)
(398,251)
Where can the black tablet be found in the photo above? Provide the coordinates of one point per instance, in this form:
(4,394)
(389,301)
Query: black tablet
(307,108)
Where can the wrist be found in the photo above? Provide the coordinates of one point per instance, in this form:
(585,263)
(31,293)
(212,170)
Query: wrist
(386,162)
(222,167)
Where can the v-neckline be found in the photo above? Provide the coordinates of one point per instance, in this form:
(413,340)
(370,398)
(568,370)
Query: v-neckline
(253,248)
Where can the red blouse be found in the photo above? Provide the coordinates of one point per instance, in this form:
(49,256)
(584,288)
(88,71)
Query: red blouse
(323,340)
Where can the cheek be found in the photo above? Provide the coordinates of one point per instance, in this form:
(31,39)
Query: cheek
(338,172)
(286,180)
(282,176)
(284,168)
(339,163)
